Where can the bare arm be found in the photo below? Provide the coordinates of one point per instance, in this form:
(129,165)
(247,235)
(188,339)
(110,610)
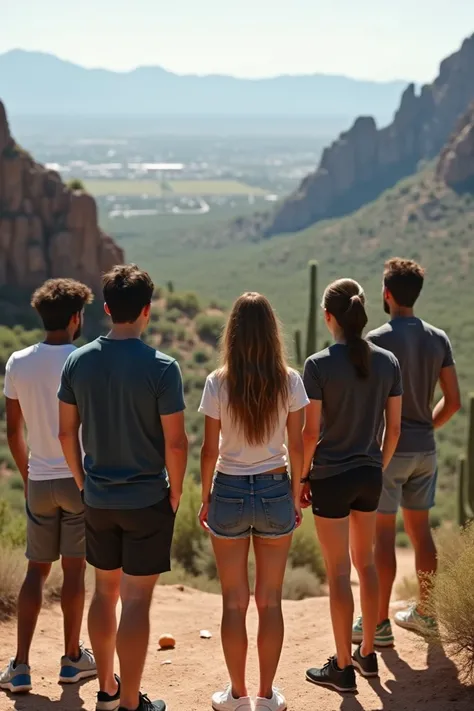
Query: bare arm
(69,424)
(393,422)
(16,437)
(294,428)
(450,403)
(311,433)
(209,454)
(176,453)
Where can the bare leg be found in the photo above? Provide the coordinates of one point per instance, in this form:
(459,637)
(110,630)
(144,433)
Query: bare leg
(133,635)
(30,600)
(103,626)
(72,603)
(417,525)
(362,537)
(232,565)
(271,555)
(385,561)
(333,534)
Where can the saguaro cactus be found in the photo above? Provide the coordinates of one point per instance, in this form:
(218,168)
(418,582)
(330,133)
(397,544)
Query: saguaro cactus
(312,325)
(466,473)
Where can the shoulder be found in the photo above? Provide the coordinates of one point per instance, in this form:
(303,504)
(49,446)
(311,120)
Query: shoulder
(214,380)
(294,378)
(383,330)
(434,331)
(19,358)
(383,356)
(83,352)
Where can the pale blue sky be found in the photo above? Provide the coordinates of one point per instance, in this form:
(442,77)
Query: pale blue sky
(377,39)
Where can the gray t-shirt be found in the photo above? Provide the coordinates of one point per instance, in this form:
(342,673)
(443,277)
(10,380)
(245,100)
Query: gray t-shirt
(422,351)
(121,387)
(352,407)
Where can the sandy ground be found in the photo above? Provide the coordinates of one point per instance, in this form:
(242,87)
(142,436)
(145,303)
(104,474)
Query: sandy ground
(413,676)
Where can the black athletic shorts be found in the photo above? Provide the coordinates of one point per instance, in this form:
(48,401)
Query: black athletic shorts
(358,489)
(136,540)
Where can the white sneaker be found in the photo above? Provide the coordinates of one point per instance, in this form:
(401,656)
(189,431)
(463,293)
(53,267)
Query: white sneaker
(276,703)
(224,701)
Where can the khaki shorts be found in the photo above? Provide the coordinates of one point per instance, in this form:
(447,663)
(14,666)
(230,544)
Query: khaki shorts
(55,521)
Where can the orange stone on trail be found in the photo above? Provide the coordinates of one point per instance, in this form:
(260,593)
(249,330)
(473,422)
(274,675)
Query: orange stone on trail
(167,641)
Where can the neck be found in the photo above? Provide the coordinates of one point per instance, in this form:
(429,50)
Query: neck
(122,331)
(57,338)
(401,312)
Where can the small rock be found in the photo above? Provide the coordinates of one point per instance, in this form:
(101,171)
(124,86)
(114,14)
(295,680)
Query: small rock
(205,634)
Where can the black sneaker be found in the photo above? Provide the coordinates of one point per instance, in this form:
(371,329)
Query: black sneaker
(147,705)
(368,666)
(331,675)
(105,702)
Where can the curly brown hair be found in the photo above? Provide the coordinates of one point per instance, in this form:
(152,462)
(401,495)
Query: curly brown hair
(254,367)
(404,279)
(57,300)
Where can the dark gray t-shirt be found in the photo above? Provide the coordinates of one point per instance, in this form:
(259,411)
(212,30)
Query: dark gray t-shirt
(352,407)
(121,387)
(422,351)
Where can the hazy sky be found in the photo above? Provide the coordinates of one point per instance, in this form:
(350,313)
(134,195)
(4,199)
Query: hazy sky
(377,39)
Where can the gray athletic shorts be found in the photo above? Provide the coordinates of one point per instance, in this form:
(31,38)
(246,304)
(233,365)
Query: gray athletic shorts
(409,481)
(55,521)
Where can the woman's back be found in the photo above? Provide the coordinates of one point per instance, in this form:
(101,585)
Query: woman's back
(352,407)
(236,454)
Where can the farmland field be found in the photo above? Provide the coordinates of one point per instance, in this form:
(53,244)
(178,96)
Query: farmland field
(154,188)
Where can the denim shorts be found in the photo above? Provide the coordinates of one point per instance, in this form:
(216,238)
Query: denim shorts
(258,504)
(409,481)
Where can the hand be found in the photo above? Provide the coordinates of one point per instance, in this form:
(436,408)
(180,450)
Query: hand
(305,495)
(174,501)
(203,513)
(299,514)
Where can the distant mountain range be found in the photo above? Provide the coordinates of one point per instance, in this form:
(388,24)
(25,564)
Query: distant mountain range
(38,83)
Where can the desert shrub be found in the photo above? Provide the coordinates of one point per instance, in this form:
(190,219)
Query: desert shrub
(187,303)
(12,526)
(407,589)
(300,583)
(452,601)
(76,184)
(209,327)
(402,540)
(201,356)
(189,538)
(167,330)
(180,576)
(305,551)
(174,315)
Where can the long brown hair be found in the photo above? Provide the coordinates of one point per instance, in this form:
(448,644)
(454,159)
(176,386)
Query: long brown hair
(254,366)
(345,300)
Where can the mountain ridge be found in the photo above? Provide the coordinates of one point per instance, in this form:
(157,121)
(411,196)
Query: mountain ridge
(39,82)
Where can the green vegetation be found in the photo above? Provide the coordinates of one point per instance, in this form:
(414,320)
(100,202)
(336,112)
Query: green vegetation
(190,188)
(76,184)
(312,327)
(466,473)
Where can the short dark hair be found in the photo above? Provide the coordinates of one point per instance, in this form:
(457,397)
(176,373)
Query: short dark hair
(127,290)
(57,300)
(404,279)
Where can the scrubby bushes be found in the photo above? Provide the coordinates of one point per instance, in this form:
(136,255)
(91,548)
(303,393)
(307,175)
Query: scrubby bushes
(76,184)
(209,327)
(187,303)
(452,601)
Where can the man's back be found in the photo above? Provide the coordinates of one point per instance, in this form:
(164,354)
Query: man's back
(121,388)
(32,377)
(422,351)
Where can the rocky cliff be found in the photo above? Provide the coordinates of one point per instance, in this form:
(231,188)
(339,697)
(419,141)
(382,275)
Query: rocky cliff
(456,162)
(366,160)
(46,230)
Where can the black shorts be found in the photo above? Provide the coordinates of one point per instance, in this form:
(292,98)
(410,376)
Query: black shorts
(136,540)
(358,489)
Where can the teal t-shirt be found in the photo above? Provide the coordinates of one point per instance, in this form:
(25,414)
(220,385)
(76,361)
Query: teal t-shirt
(121,388)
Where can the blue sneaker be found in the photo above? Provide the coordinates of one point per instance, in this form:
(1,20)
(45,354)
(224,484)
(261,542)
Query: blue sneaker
(82,668)
(16,679)
(383,635)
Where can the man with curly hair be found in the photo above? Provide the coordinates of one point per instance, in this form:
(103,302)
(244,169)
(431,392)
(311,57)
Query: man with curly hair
(55,511)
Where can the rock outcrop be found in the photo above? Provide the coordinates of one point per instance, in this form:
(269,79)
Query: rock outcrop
(46,230)
(456,162)
(365,160)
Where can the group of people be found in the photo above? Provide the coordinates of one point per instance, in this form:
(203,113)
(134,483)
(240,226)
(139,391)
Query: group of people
(103,474)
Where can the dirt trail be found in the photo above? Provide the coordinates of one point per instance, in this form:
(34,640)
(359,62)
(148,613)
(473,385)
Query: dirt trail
(413,676)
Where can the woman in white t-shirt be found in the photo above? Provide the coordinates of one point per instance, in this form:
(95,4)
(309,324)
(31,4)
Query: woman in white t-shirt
(250,404)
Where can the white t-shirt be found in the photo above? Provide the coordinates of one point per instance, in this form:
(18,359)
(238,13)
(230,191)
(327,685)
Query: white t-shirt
(236,455)
(32,376)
